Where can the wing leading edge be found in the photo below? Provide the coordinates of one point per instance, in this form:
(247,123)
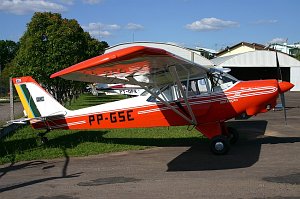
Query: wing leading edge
(146,65)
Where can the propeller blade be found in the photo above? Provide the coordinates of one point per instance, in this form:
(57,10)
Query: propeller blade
(279,74)
(279,79)
(282,98)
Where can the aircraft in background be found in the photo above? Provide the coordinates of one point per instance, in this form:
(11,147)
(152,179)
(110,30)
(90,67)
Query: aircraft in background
(178,93)
(116,89)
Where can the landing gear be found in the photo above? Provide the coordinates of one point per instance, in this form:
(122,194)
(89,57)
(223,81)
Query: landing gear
(233,135)
(222,137)
(44,139)
(219,145)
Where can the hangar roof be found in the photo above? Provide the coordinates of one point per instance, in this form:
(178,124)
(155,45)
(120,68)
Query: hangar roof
(260,58)
(185,53)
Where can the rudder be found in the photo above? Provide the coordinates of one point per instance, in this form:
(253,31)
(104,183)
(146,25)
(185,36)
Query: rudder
(36,101)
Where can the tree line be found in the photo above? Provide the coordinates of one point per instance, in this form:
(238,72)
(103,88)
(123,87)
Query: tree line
(49,44)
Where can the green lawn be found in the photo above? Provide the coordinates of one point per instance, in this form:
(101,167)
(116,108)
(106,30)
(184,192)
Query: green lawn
(25,145)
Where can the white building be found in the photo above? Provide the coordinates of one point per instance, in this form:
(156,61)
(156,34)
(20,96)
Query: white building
(291,49)
(261,64)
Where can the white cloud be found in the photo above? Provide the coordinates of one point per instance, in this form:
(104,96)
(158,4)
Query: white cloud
(21,7)
(133,26)
(278,40)
(92,2)
(95,33)
(101,26)
(105,30)
(99,29)
(210,24)
(68,2)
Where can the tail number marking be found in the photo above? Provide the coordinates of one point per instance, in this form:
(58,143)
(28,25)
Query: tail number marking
(112,117)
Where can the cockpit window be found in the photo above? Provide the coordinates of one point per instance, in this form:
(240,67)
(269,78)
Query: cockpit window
(212,82)
(192,87)
(221,81)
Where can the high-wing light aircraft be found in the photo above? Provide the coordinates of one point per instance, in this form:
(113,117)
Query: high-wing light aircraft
(178,92)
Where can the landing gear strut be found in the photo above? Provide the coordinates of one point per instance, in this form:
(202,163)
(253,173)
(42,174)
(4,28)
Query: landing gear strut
(44,139)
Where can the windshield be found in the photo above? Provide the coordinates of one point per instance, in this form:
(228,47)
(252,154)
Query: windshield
(221,81)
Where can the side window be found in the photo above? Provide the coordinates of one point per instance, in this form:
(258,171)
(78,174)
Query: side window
(203,85)
(191,88)
(198,86)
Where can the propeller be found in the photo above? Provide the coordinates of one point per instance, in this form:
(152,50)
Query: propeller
(281,93)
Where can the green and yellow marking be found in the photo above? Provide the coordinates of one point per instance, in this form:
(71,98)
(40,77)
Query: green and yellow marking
(27,101)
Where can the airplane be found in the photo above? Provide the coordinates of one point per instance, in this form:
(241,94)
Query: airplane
(178,92)
(117,89)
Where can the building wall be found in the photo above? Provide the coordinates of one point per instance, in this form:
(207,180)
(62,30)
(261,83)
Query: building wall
(295,78)
(241,49)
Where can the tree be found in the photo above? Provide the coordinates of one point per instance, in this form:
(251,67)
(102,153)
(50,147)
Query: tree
(8,50)
(52,43)
(298,56)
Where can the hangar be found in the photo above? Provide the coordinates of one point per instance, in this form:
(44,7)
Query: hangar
(261,64)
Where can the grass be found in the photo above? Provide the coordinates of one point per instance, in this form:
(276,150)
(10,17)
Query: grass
(25,145)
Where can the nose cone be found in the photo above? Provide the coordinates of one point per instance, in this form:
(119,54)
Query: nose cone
(284,86)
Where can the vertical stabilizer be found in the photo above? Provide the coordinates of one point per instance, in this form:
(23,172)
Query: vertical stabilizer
(36,101)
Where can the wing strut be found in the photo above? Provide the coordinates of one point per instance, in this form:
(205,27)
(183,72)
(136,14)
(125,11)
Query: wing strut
(192,121)
(184,94)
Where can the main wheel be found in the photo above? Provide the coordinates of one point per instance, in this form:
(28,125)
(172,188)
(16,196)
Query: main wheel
(233,135)
(219,145)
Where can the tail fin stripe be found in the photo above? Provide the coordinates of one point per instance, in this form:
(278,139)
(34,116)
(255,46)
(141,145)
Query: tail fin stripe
(24,101)
(30,101)
(27,101)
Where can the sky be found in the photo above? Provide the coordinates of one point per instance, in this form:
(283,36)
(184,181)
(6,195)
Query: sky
(190,23)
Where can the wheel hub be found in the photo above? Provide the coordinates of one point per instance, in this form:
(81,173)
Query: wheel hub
(219,146)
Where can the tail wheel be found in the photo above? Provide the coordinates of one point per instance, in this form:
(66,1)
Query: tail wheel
(233,135)
(219,145)
(44,140)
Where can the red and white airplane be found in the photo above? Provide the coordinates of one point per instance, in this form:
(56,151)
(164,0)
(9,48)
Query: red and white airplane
(178,92)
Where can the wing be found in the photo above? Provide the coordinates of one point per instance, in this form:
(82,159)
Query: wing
(145,64)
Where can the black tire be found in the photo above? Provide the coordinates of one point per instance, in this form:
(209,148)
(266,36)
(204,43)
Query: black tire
(219,145)
(233,135)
